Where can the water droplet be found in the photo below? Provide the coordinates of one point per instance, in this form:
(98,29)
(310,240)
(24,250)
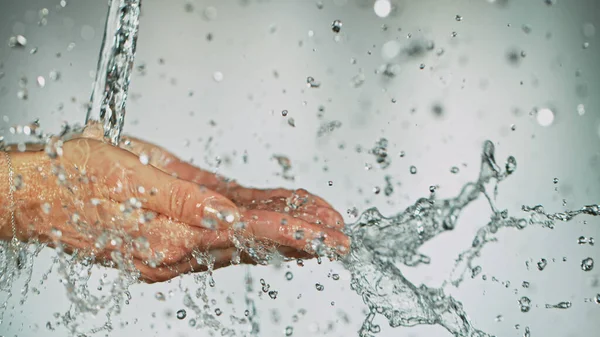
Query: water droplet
(336,26)
(284,113)
(289,276)
(41,81)
(291,122)
(581,109)
(382,8)
(289,331)
(144,159)
(527,332)
(160,296)
(587,264)
(422,66)
(555,180)
(525,284)
(335,277)
(210,13)
(454,170)
(299,234)
(218,312)
(181,314)
(330,183)
(17,41)
(458,18)
(192,322)
(218,76)
(542,264)
(545,117)
(525,304)
(586,45)
(597,299)
(312,83)
(319,286)
(273,294)
(413,170)
(561,305)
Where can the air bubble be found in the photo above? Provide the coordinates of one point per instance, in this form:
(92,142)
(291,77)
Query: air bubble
(289,276)
(181,314)
(319,286)
(289,331)
(458,18)
(413,170)
(525,304)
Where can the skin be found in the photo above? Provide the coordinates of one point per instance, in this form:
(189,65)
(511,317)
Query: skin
(156,213)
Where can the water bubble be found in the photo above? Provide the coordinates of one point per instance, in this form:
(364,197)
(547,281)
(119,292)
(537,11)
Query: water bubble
(54,75)
(181,314)
(454,170)
(458,18)
(525,304)
(289,331)
(597,299)
(22,94)
(330,183)
(545,117)
(389,50)
(555,180)
(319,286)
(218,76)
(585,45)
(413,169)
(587,264)
(382,8)
(284,113)
(299,234)
(160,296)
(336,26)
(273,294)
(422,66)
(527,332)
(291,122)
(525,284)
(454,34)
(581,109)
(289,276)
(218,312)
(192,322)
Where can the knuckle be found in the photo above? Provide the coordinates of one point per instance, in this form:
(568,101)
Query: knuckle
(179,197)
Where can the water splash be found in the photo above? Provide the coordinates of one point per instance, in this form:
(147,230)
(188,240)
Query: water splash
(115,64)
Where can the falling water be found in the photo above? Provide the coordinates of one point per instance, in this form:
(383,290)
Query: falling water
(113,75)
(380,245)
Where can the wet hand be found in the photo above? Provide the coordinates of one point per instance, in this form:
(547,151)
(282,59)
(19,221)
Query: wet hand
(98,199)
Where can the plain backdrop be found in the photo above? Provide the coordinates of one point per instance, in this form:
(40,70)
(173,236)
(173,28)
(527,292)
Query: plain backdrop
(456,83)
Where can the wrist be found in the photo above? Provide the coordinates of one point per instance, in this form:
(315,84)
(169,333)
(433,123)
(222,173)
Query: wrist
(28,174)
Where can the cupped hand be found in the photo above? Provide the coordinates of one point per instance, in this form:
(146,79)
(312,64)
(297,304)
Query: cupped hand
(294,219)
(90,196)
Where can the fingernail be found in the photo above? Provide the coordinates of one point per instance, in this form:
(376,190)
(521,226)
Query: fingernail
(219,213)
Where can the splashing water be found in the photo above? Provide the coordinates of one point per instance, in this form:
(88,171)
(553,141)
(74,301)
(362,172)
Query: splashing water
(113,75)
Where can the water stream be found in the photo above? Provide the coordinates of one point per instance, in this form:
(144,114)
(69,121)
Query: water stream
(381,246)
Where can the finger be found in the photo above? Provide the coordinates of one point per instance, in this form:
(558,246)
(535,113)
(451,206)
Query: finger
(291,232)
(222,258)
(171,164)
(178,199)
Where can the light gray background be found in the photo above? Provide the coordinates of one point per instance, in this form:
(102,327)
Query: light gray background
(481,92)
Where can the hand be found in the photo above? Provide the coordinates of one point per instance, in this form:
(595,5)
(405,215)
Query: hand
(100,199)
(304,216)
